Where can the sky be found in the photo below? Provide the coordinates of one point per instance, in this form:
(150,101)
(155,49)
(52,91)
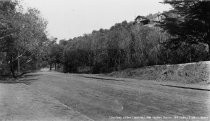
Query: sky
(72,18)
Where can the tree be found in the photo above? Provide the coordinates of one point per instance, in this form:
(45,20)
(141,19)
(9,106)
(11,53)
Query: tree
(188,22)
(22,35)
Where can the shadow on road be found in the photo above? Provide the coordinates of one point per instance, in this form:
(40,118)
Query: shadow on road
(30,75)
(25,79)
(102,78)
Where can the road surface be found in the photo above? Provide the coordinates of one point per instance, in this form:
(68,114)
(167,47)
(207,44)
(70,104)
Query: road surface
(52,96)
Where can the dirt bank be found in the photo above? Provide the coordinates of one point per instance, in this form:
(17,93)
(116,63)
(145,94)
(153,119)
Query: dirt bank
(188,73)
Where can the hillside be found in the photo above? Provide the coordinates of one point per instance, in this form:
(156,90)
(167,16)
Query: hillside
(189,73)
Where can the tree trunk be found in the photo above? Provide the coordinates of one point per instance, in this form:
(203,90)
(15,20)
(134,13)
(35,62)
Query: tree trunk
(12,70)
(55,67)
(208,48)
(18,66)
(50,67)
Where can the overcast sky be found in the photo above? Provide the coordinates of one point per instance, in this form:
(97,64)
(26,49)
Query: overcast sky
(72,18)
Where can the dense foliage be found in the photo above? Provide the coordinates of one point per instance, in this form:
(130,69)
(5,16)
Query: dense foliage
(22,38)
(189,24)
(122,46)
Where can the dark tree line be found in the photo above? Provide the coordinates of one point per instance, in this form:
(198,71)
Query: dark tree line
(123,46)
(177,36)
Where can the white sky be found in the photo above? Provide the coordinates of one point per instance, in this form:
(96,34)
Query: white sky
(72,18)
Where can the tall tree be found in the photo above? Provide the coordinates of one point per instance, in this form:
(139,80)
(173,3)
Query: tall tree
(188,21)
(22,34)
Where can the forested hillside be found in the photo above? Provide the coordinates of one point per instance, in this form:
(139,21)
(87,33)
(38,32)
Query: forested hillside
(122,46)
(177,36)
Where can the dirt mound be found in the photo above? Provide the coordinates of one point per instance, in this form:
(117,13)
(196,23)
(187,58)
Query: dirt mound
(187,73)
(184,73)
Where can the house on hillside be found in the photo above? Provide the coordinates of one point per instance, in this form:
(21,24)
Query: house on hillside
(142,20)
(158,18)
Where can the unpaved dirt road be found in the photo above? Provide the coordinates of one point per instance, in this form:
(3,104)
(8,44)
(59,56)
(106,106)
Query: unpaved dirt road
(52,96)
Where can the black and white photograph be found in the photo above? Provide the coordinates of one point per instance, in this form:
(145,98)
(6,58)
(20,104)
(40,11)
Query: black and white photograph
(104,60)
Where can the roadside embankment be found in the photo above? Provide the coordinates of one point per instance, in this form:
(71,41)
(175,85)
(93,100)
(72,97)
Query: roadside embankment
(189,73)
